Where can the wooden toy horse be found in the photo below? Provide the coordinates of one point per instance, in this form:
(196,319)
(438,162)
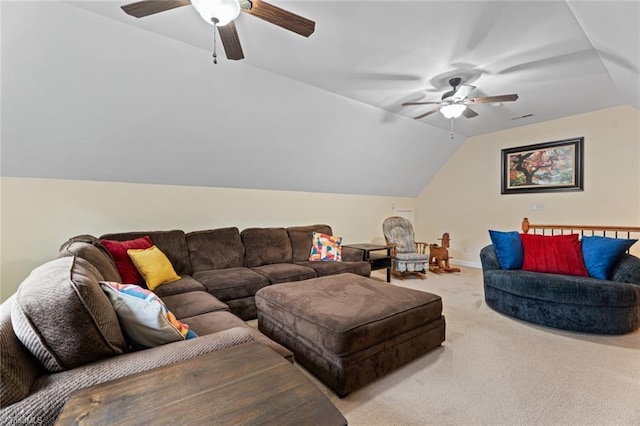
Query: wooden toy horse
(439,256)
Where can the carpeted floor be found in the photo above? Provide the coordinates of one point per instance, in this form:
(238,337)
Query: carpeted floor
(494,370)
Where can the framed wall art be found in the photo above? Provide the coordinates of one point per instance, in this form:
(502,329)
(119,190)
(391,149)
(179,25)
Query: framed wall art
(543,167)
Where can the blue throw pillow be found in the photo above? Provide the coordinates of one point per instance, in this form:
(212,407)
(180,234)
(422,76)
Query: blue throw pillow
(601,254)
(508,247)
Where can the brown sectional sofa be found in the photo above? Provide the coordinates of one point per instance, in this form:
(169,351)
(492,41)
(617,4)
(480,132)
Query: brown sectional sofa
(220,270)
(233,265)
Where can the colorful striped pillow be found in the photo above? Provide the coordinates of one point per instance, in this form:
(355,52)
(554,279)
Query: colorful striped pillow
(145,320)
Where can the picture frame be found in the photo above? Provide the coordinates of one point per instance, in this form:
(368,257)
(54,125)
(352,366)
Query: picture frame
(544,167)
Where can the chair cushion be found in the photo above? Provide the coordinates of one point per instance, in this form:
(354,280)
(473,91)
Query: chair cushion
(64,318)
(411,257)
(266,246)
(215,249)
(399,231)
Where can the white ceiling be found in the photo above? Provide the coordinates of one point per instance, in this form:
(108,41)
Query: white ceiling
(561,57)
(91,93)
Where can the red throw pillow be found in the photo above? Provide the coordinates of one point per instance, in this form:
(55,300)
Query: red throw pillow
(127,269)
(556,254)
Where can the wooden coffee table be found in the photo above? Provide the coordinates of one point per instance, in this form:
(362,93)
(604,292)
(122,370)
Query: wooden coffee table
(245,384)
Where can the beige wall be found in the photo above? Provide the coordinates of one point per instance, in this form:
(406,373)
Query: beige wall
(464,197)
(40,214)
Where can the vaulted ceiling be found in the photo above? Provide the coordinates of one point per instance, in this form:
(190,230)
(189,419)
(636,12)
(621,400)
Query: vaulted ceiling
(89,92)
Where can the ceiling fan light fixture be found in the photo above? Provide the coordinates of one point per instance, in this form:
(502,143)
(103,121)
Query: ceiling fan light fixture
(217,12)
(453,110)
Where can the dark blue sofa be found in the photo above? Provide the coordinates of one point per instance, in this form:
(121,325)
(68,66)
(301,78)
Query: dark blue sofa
(572,303)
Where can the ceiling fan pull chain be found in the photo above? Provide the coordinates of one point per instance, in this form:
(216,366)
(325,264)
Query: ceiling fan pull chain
(451,133)
(215,42)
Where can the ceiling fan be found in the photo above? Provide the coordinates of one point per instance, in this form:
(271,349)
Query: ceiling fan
(222,13)
(455,102)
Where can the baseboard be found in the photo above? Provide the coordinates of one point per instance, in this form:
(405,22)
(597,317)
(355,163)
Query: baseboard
(465,263)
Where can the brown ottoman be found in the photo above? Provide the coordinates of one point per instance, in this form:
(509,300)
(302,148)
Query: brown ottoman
(349,330)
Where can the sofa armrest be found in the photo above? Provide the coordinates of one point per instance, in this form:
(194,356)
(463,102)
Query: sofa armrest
(351,254)
(489,259)
(50,391)
(627,270)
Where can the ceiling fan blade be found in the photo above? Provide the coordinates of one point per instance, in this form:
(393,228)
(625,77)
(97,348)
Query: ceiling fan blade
(281,17)
(469,113)
(427,113)
(149,7)
(420,103)
(489,99)
(231,41)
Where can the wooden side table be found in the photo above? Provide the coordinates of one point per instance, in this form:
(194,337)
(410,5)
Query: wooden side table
(377,260)
(245,384)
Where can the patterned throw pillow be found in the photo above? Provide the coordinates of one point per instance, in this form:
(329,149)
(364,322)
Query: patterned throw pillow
(154,266)
(118,250)
(144,318)
(326,248)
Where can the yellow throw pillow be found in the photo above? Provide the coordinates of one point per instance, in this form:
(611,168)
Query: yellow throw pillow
(153,265)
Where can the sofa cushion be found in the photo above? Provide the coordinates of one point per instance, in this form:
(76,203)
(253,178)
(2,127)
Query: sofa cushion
(232,283)
(154,266)
(64,318)
(215,322)
(172,243)
(326,247)
(266,246)
(285,272)
(193,303)
(301,239)
(215,249)
(555,254)
(91,253)
(508,247)
(184,285)
(145,319)
(18,368)
(332,268)
(129,274)
(601,254)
